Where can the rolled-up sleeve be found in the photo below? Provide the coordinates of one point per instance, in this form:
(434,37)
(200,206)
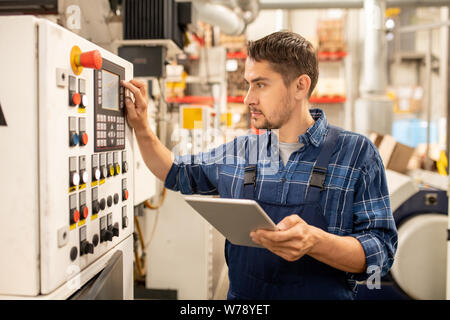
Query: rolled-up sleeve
(374,225)
(195,174)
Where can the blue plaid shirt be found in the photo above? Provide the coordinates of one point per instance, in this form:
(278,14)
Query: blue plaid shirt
(355,199)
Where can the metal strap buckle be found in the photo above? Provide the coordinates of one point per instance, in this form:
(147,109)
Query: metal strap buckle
(250,175)
(318,177)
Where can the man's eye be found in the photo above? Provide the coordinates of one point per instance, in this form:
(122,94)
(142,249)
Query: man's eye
(260,85)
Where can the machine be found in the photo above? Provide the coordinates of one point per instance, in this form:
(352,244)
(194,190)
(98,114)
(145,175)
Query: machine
(419,204)
(67,153)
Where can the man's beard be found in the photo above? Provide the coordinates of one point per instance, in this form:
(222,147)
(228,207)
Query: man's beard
(284,114)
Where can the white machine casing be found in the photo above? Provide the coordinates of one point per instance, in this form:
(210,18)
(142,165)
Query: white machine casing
(419,267)
(35,155)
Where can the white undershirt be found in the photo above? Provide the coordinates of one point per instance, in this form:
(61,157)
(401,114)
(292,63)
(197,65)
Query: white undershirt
(286,149)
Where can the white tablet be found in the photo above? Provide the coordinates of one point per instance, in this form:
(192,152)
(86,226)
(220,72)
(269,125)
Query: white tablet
(234,218)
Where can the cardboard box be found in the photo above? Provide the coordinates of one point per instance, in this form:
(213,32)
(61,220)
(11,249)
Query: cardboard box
(400,158)
(407,99)
(375,138)
(395,155)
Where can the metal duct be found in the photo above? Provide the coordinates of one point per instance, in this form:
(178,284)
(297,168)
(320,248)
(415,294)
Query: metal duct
(375,49)
(249,8)
(323,4)
(232,17)
(374,108)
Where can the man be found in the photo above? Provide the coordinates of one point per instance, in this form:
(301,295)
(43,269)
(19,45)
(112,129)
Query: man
(326,188)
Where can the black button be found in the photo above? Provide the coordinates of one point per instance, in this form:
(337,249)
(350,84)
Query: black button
(73,253)
(124,222)
(115,230)
(116,198)
(95,206)
(103,204)
(106,235)
(95,240)
(109,201)
(86,247)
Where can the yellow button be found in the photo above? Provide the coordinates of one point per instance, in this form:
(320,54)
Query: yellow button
(111,170)
(117,169)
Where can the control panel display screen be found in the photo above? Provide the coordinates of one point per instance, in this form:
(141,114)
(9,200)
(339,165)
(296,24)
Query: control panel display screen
(109,120)
(110,90)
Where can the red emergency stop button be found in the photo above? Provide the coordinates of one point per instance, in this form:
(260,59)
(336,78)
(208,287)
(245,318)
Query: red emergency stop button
(91,59)
(78,60)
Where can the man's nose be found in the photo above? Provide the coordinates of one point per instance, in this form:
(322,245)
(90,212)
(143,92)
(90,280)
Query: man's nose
(250,98)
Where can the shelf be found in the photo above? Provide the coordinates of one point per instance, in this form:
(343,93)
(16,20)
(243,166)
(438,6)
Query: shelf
(331,56)
(203,99)
(236,55)
(194,79)
(192,99)
(240,99)
(230,55)
(326,100)
(235,99)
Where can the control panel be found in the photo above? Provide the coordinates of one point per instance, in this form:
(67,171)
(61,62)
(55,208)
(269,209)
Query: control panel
(80,186)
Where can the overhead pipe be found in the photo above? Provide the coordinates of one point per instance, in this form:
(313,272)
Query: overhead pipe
(232,17)
(345,4)
(218,15)
(250,9)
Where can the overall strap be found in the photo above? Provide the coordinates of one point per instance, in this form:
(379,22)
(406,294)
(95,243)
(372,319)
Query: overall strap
(250,171)
(319,172)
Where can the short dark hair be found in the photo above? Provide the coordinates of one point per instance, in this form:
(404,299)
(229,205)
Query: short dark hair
(289,54)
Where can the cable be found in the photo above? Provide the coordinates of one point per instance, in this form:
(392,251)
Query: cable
(150,206)
(140,261)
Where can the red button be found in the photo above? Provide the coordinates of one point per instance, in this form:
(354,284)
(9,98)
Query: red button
(76,216)
(84,139)
(76,99)
(91,59)
(85,212)
(125,194)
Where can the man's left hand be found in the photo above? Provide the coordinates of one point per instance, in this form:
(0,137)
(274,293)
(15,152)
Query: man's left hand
(293,239)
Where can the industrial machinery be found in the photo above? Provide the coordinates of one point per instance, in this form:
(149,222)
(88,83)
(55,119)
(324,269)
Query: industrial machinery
(419,204)
(67,153)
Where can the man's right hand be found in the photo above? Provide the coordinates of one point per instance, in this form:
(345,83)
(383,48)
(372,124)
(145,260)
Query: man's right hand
(156,156)
(137,111)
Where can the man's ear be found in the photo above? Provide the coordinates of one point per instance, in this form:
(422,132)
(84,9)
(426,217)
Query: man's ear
(302,85)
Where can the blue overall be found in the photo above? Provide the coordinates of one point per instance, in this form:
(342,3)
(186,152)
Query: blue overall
(257,273)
